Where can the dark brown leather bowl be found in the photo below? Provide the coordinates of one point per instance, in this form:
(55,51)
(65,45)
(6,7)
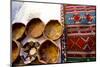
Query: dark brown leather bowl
(48,52)
(17,30)
(34,28)
(15,50)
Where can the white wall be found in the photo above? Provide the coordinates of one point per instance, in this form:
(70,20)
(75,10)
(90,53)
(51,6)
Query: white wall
(43,11)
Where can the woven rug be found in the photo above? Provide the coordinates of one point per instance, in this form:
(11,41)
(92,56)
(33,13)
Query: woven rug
(79,38)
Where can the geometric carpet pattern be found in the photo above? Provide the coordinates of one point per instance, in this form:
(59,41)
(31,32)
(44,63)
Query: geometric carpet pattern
(79,38)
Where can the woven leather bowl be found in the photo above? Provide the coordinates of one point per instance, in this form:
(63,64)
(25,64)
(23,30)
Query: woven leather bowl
(53,29)
(48,52)
(17,30)
(34,28)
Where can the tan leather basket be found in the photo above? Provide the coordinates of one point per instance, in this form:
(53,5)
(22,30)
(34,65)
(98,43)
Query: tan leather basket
(53,30)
